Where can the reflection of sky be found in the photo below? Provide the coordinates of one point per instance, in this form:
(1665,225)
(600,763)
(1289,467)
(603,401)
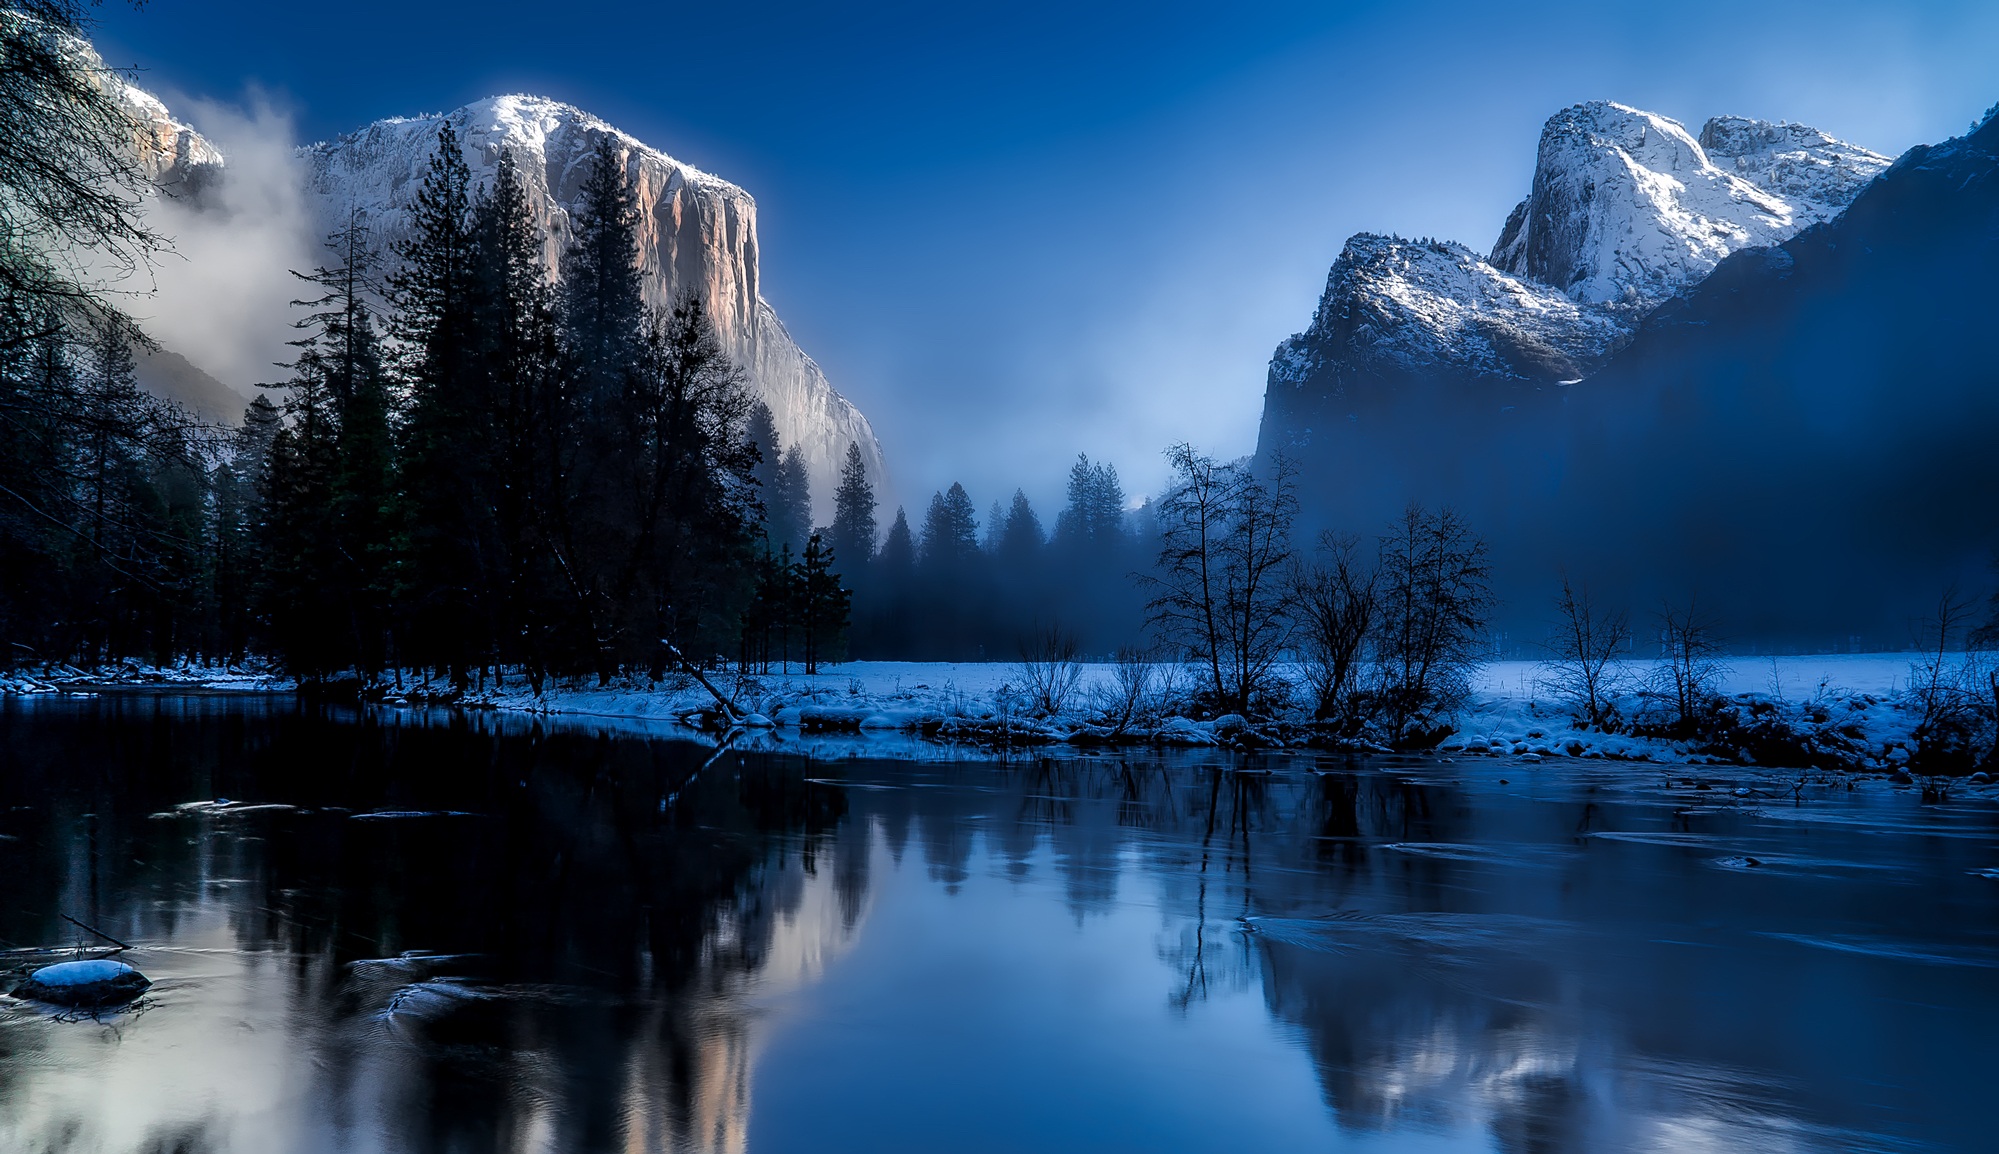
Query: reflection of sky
(997,1018)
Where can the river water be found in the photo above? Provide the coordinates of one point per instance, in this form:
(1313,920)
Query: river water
(394,931)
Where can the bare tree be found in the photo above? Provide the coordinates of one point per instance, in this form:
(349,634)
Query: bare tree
(1132,689)
(1582,667)
(1948,686)
(1218,592)
(1050,668)
(1690,668)
(1333,603)
(71,182)
(1433,600)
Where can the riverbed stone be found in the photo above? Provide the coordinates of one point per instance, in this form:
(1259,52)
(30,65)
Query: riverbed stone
(98,982)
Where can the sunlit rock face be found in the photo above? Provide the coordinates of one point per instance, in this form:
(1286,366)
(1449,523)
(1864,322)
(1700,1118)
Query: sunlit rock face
(697,235)
(1627,207)
(173,155)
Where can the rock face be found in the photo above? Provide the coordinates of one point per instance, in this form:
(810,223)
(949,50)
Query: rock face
(175,157)
(697,234)
(1627,209)
(1800,432)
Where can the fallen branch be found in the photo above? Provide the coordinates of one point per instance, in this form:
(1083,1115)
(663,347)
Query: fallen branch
(94,930)
(730,713)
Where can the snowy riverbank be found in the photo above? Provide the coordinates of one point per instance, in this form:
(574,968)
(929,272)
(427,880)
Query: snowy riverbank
(1837,710)
(1845,711)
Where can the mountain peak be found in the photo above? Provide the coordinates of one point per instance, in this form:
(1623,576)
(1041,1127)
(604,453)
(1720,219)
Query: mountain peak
(697,234)
(1628,207)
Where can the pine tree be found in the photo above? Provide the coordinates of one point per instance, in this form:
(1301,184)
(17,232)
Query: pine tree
(761,430)
(531,414)
(791,500)
(602,295)
(824,606)
(1020,540)
(950,530)
(239,482)
(995,528)
(853,532)
(450,451)
(898,555)
(300,596)
(329,586)
(1095,513)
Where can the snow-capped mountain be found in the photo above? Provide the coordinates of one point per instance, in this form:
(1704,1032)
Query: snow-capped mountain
(1627,208)
(697,233)
(1414,303)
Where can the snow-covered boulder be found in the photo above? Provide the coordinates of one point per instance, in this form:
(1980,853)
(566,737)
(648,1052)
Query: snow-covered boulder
(98,982)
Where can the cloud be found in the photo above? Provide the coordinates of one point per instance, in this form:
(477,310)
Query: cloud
(223,294)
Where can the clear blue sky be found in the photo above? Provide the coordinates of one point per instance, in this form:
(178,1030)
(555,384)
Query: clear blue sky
(1016,232)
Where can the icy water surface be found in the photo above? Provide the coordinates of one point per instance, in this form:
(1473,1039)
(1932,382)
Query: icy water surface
(399,932)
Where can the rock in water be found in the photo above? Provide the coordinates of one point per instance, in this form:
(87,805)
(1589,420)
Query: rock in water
(102,982)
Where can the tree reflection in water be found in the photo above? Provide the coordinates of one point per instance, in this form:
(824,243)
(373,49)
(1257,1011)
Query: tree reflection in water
(624,933)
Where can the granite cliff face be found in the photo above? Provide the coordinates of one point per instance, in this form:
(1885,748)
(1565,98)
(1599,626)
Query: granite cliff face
(697,234)
(174,156)
(1627,209)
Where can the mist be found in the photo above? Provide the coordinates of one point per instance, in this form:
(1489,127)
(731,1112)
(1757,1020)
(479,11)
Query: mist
(222,294)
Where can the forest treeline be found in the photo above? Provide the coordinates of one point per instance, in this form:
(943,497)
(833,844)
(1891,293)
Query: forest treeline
(479,472)
(474,466)
(479,469)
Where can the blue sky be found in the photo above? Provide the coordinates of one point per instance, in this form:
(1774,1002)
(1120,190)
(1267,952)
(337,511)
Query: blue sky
(1017,232)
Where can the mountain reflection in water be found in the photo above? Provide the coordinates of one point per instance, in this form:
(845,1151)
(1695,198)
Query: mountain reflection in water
(411,932)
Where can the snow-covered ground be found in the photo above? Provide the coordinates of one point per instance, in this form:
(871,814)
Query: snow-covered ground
(1846,706)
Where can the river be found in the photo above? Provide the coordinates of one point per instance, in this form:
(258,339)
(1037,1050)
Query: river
(385,930)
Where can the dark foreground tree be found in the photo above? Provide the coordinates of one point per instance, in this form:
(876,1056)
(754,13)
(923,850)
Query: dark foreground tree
(330,492)
(71,231)
(1430,622)
(1218,592)
(1583,648)
(1688,678)
(1333,606)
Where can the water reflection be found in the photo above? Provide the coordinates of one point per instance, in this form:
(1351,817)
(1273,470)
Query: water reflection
(424,932)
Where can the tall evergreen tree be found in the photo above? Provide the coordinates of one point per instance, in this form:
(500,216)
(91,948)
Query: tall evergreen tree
(790,501)
(450,451)
(240,481)
(300,596)
(328,588)
(531,411)
(591,532)
(898,555)
(950,530)
(760,429)
(853,530)
(824,606)
(1020,539)
(1094,516)
(602,295)
(995,528)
